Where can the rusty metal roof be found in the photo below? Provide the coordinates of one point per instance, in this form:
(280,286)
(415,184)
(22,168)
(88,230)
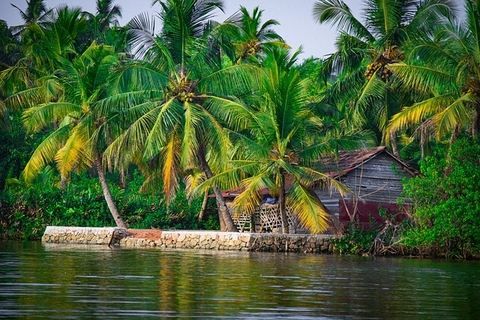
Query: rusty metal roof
(346,161)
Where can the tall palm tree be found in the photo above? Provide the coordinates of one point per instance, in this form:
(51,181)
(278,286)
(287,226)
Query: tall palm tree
(173,119)
(104,23)
(40,50)
(445,69)
(250,36)
(77,86)
(366,50)
(278,150)
(35,13)
(107,14)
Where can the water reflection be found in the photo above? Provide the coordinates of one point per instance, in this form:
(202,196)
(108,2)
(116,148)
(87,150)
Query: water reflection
(79,282)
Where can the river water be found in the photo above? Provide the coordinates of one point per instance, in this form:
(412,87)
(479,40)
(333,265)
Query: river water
(59,282)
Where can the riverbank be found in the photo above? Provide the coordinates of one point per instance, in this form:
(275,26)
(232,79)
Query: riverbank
(233,241)
(186,239)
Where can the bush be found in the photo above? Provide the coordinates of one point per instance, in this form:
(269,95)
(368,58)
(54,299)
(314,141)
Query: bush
(25,211)
(446,199)
(355,240)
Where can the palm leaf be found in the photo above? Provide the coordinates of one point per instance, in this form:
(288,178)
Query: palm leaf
(45,152)
(310,211)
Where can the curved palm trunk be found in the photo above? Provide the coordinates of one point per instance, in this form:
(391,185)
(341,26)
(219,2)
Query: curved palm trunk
(226,222)
(201,214)
(282,206)
(107,195)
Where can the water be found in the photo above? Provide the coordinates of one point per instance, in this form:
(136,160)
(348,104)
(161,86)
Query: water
(85,283)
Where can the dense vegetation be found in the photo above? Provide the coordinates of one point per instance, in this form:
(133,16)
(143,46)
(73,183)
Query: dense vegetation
(158,119)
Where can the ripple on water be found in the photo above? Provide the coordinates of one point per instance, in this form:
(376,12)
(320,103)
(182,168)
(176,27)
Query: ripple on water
(110,284)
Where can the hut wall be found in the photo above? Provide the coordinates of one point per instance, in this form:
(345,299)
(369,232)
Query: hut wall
(378,180)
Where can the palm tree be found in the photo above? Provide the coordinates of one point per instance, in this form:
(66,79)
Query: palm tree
(445,69)
(107,14)
(38,53)
(365,52)
(35,13)
(75,90)
(104,24)
(278,150)
(172,119)
(250,36)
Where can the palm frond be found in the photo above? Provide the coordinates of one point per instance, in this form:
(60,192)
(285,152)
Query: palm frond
(339,14)
(45,152)
(310,211)
(416,114)
(38,117)
(77,152)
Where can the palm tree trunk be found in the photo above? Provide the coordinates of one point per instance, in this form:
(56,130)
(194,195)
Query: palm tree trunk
(63,183)
(107,195)
(476,122)
(281,205)
(123,179)
(226,222)
(201,214)
(423,133)
(454,135)
(393,142)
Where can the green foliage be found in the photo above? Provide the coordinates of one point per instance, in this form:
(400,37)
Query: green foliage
(447,201)
(27,210)
(178,104)
(355,240)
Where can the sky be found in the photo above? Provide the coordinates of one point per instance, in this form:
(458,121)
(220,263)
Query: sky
(297,25)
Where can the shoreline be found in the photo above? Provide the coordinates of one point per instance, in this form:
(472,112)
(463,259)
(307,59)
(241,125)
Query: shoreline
(191,239)
(217,240)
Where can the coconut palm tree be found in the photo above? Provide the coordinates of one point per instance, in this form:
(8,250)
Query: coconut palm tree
(36,13)
(365,51)
(39,51)
(104,25)
(445,69)
(277,152)
(107,14)
(250,36)
(69,111)
(173,119)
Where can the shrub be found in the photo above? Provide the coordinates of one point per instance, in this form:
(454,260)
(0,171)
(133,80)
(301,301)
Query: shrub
(25,211)
(446,199)
(355,240)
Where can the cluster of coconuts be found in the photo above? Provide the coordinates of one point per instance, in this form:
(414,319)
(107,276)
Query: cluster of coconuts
(473,86)
(181,89)
(380,65)
(251,48)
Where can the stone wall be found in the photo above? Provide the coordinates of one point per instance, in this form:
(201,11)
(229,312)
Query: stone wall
(78,235)
(200,240)
(213,240)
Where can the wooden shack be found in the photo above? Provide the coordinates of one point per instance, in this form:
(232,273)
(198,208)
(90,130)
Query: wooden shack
(374,178)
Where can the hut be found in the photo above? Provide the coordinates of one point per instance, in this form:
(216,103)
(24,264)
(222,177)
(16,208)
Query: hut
(374,178)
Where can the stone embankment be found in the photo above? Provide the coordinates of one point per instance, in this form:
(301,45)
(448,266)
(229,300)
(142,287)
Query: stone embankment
(78,235)
(204,240)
